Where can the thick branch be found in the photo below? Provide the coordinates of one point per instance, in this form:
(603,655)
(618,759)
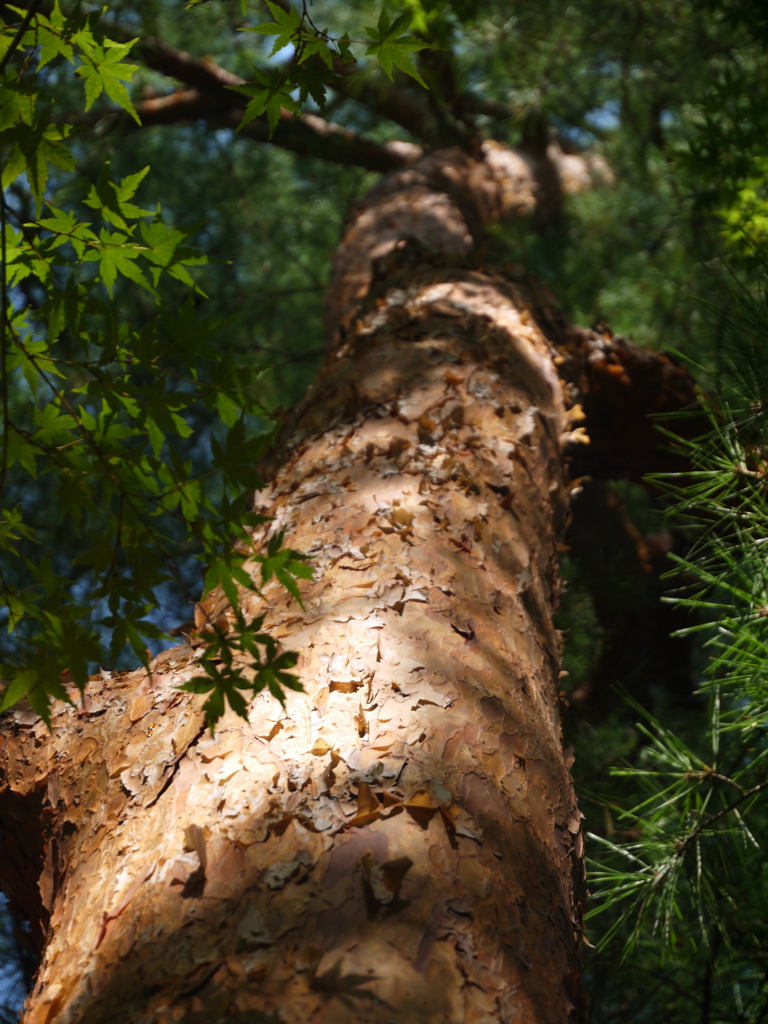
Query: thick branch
(378,94)
(194,71)
(211,97)
(305,134)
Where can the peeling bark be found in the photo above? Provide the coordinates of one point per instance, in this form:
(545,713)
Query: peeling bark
(402,841)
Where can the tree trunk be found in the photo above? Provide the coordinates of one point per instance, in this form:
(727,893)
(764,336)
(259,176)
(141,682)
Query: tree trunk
(402,842)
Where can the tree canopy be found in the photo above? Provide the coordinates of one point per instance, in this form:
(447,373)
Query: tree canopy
(174,183)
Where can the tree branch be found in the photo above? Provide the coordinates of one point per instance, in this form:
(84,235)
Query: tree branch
(211,98)
(402,106)
(305,134)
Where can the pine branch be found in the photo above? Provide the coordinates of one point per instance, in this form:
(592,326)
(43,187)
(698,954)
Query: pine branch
(712,818)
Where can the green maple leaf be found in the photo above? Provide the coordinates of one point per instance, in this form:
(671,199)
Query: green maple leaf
(53,426)
(111,197)
(115,257)
(393,47)
(270,96)
(318,46)
(105,72)
(286,25)
(31,153)
(310,83)
(53,37)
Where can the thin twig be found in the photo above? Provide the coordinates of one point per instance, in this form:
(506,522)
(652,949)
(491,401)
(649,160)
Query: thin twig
(19,33)
(682,845)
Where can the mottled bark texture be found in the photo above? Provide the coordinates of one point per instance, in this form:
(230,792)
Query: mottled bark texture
(402,842)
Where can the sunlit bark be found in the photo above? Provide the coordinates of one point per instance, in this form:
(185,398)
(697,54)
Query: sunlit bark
(402,842)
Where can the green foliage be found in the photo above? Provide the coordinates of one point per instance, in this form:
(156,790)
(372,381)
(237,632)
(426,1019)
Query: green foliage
(746,219)
(272,92)
(677,870)
(691,831)
(726,155)
(102,409)
(680,875)
(724,503)
(103,71)
(291,28)
(393,47)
